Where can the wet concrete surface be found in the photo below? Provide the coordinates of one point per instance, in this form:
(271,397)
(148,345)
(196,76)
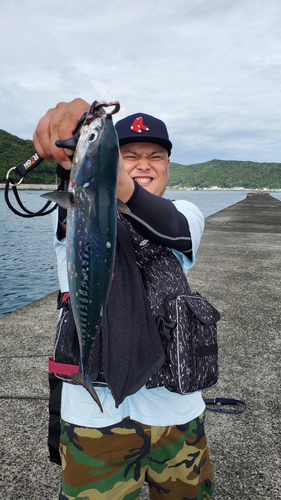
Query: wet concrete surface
(238,270)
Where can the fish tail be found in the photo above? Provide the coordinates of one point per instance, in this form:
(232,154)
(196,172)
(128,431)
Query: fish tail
(79,378)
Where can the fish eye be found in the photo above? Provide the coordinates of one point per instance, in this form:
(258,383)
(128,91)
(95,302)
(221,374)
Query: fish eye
(93,136)
(86,185)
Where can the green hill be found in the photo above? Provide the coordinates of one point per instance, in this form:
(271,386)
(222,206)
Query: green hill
(14,151)
(226,174)
(221,173)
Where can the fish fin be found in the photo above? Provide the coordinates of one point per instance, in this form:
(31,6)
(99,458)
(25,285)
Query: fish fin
(123,208)
(62,198)
(80,379)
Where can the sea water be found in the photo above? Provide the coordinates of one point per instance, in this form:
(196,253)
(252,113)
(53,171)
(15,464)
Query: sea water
(27,258)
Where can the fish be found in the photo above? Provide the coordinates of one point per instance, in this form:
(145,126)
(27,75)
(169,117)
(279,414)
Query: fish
(91,204)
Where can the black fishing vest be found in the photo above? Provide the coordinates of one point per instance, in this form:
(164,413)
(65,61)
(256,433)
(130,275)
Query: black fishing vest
(186,322)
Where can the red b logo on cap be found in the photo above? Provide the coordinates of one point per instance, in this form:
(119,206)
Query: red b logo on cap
(138,125)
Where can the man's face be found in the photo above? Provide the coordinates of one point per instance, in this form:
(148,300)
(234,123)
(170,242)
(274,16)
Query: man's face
(148,164)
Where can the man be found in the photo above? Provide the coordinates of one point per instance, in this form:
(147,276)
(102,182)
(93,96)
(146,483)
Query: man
(153,434)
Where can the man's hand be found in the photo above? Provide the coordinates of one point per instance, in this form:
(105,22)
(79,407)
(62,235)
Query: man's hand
(125,185)
(58,123)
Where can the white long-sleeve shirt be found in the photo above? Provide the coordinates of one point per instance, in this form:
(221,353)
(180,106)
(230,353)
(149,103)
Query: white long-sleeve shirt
(156,406)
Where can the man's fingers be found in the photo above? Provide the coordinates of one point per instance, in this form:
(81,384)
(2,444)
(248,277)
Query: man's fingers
(58,124)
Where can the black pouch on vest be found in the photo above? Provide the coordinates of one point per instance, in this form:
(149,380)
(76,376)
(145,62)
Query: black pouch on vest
(185,320)
(189,334)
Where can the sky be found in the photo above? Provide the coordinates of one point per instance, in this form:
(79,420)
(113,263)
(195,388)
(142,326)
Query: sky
(210,69)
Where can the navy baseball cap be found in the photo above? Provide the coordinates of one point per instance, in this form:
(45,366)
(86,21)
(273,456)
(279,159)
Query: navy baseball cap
(141,127)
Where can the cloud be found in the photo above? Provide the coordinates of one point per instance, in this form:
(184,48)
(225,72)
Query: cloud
(211,70)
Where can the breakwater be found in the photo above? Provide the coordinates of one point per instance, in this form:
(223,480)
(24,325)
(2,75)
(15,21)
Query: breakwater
(238,270)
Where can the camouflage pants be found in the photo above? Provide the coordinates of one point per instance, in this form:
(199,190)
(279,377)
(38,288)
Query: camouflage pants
(113,462)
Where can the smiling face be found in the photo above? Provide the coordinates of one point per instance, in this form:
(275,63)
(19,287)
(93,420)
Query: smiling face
(148,164)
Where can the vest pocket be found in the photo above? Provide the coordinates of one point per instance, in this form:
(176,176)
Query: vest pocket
(188,330)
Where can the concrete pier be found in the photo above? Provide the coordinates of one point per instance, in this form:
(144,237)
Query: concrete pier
(238,270)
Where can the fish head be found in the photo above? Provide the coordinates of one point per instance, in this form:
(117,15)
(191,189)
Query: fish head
(97,145)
